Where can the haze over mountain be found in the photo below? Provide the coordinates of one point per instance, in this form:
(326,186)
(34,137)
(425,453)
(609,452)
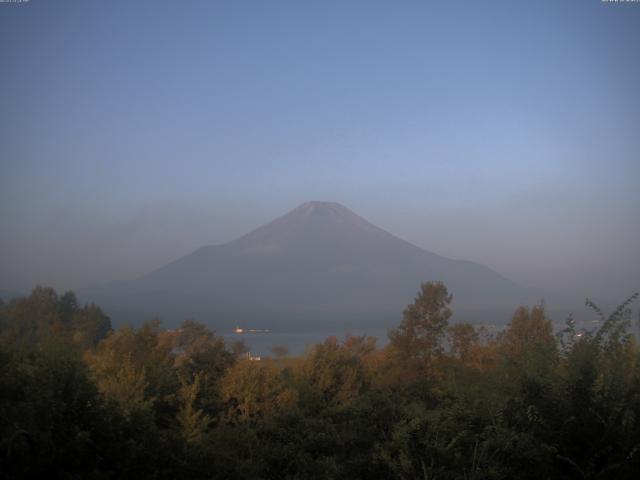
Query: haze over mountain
(320,264)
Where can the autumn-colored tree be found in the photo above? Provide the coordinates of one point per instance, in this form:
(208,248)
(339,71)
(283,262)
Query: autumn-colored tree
(134,367)
(89,325)
(29,321)
(192,420)
(463,341)
(418,340)
(200,353)
(32,321)
(159,403)
(528,341)
(335,372)
(254,389)
(119,375)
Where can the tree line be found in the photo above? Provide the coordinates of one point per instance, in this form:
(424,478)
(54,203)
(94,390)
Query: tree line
(442,400)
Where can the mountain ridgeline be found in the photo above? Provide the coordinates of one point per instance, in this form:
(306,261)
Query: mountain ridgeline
(318,265)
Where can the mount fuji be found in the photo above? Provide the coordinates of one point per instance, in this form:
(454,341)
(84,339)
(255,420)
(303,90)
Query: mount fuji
(320,264)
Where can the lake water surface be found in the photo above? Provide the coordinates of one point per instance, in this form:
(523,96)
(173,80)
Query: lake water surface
(260,344)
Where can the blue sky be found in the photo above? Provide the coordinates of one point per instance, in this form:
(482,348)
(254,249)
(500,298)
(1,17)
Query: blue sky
(503,132)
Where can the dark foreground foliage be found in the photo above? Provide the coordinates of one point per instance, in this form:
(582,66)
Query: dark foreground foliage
(80,400)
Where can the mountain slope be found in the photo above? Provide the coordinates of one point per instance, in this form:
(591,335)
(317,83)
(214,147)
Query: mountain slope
(318,263)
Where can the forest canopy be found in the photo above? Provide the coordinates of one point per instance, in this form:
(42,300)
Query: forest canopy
(79,399)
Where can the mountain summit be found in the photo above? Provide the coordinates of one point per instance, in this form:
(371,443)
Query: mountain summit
(318,264)
(314,227)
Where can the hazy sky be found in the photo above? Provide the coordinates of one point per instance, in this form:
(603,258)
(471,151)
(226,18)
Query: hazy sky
(504,132)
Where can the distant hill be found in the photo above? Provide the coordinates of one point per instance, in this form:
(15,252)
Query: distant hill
(320,264)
